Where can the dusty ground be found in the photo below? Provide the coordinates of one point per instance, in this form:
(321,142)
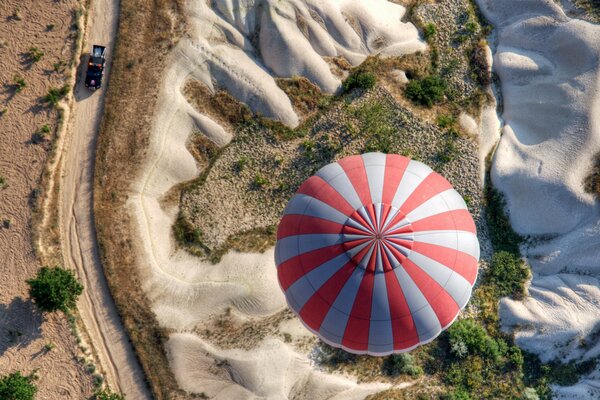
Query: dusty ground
(24,333)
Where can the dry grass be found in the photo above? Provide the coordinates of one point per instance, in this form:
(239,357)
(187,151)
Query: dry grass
(145,27)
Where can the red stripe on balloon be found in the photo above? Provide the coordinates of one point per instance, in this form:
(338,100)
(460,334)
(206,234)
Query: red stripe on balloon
(395,166)
(316,308)
(316,187)
(403,327)
(462,263)
(441,302)
(432,185)
(356,335)
(459,220)
(293,269)
(354,167)
(296,224)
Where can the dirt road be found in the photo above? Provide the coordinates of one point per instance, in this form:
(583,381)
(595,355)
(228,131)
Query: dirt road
(78,235)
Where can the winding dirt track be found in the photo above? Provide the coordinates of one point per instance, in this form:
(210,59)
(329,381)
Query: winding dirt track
(78,236)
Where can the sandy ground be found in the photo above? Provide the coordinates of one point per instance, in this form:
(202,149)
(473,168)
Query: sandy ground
(549,67)
(23,331)
(96,307)
(227,49)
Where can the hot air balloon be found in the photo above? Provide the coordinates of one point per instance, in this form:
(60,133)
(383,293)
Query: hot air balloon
(376,254)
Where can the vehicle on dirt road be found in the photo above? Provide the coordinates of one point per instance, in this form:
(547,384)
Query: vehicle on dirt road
(95,67)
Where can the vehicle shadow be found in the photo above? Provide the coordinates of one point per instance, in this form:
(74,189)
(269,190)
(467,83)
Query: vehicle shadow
(81,92)
(20,324)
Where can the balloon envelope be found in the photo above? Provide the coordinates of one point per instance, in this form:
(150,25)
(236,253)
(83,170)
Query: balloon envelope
(376,254)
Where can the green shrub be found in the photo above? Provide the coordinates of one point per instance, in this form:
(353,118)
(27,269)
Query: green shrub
(107,394)
(19,83)
(429,31)
(240,164)
(401,364)
(17,387)
(49,27)
(508,273)
(56,94)
(259,181)
(3,182)
(501,233)
(426,91)
(359,79)
(35,54)
(445,121)
(458,394)
(54,289)
(466,334)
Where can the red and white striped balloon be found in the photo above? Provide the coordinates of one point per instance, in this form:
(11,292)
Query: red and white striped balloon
(377,253)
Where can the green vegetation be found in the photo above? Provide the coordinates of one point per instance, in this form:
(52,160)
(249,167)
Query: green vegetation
(56,94)
(466,337)
(359,79)
(503,237)
(426,91)
(429,31)
(15,386)
(107,394)
(3,182)
(41,134)
(35,54)
(19,83)
(592,181)
(401,364)
(508,274)
(259,181)
(49,27)
(54,289)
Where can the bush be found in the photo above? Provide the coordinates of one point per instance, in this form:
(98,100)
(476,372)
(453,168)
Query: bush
(56,94)
(429,31)
(54,289)
(107,394)
(458,394)
(19,83)
(508,273)
(426,91)
(466,334)
(401,364)
(17,387)
(35,54)
(359,79)
(259,181)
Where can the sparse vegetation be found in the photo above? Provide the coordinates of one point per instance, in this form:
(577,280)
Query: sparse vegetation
(50,27)
(54,289)
(15,386)
(56,94)
(35,54)
(3,182)
(107,394)
(19,83)
(429,31)
(503,237)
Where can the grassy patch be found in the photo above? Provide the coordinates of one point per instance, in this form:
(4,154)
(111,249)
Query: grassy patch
(503,237)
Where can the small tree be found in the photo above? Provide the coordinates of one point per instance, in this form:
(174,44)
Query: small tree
(54,289)
(17,387)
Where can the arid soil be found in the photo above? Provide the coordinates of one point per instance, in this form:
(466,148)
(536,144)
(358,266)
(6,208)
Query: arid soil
(28,340)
